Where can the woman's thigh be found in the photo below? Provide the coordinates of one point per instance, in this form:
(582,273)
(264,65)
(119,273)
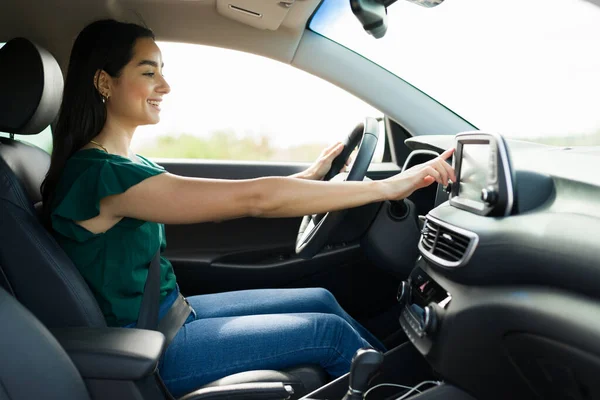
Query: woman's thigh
(208,349)
(265,301)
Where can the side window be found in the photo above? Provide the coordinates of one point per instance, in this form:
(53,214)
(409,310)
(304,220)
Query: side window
(230,105)
(42,140)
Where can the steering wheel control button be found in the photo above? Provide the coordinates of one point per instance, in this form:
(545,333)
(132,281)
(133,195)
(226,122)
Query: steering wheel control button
(489,195)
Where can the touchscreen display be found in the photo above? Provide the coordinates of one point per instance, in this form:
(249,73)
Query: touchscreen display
(473,171)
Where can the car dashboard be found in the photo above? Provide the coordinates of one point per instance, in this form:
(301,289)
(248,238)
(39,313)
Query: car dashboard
(503,299)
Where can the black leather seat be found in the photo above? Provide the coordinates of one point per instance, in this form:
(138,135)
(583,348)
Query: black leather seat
(33,364)
(33,268)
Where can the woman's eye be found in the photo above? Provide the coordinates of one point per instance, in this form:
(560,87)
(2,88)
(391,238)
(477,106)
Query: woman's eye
(150,74)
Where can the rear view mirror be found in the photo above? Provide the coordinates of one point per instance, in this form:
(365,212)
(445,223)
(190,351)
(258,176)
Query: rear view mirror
(426,3)
(372,14)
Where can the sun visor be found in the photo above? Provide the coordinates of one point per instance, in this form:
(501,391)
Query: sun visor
(262,14)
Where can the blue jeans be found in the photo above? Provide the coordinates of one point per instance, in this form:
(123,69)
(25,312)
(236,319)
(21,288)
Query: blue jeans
(261,329)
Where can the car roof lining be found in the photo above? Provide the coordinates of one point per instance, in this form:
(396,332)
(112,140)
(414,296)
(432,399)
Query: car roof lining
(54,24)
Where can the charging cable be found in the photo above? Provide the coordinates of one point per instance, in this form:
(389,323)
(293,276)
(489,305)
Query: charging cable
(411,389)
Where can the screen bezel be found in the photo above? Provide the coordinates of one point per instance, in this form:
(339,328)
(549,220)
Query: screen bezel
(455,196)
(503,181)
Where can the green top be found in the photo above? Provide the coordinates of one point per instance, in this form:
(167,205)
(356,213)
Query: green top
(114,263)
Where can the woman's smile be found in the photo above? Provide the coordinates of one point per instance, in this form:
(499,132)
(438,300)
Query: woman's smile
(154,103)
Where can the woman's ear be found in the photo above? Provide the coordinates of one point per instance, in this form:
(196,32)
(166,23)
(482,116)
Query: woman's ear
(102,83)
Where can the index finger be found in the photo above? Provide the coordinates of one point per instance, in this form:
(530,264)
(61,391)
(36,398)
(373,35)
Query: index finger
(446,154)
(443,157)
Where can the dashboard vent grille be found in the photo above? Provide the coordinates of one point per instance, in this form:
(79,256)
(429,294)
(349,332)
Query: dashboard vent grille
(445,245)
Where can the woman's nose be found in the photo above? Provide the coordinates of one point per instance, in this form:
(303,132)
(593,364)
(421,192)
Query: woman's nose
(164,87)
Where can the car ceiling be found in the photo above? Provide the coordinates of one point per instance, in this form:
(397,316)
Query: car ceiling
(54,24)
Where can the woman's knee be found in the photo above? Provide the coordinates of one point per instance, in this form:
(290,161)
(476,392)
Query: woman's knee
(326,298)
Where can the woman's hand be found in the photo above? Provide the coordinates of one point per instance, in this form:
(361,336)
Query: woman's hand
(322,165)
(419,176)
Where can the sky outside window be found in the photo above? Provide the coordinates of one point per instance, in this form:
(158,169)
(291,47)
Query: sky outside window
(524,68)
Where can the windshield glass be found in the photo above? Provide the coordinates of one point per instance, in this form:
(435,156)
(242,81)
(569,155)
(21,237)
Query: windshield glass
(529,69)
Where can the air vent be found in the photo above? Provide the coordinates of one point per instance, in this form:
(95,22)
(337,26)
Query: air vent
(445,244)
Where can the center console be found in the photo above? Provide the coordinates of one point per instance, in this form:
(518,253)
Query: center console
(427,308)
(404,366)
(423,303)
(484,186)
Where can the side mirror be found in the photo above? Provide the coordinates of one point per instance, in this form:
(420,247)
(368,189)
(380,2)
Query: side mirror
(372,14)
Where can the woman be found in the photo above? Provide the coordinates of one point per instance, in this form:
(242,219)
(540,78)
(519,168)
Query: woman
(107,206)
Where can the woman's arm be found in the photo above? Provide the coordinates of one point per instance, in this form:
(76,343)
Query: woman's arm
(174,199)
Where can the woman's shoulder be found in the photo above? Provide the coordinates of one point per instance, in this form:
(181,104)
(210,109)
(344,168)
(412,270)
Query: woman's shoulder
(88,176)
(95,166)
(148,162)
(91,158)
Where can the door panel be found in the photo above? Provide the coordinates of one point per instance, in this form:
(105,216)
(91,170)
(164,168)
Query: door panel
(250,253)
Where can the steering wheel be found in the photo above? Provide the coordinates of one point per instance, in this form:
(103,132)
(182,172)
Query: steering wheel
(316,229)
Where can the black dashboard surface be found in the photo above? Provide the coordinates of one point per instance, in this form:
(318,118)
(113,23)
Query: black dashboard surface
(553,238)
(524,319)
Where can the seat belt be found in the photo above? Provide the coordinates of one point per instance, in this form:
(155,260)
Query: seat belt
(148,317)
(5,283)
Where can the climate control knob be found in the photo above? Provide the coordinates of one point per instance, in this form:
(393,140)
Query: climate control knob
(489,195)
(430,320)
(402,295)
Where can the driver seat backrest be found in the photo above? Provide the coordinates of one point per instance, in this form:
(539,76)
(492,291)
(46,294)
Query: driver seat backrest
(33,364)
(35,269)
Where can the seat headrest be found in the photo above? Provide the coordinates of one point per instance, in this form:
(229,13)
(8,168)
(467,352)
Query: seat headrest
(32,87)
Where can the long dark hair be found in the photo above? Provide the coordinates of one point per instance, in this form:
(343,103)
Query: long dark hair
(102,45)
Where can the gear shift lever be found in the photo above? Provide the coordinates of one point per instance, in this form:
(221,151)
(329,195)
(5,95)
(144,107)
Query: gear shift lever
(364,363)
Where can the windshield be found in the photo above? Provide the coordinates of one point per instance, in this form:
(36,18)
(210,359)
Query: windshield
(529,69)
